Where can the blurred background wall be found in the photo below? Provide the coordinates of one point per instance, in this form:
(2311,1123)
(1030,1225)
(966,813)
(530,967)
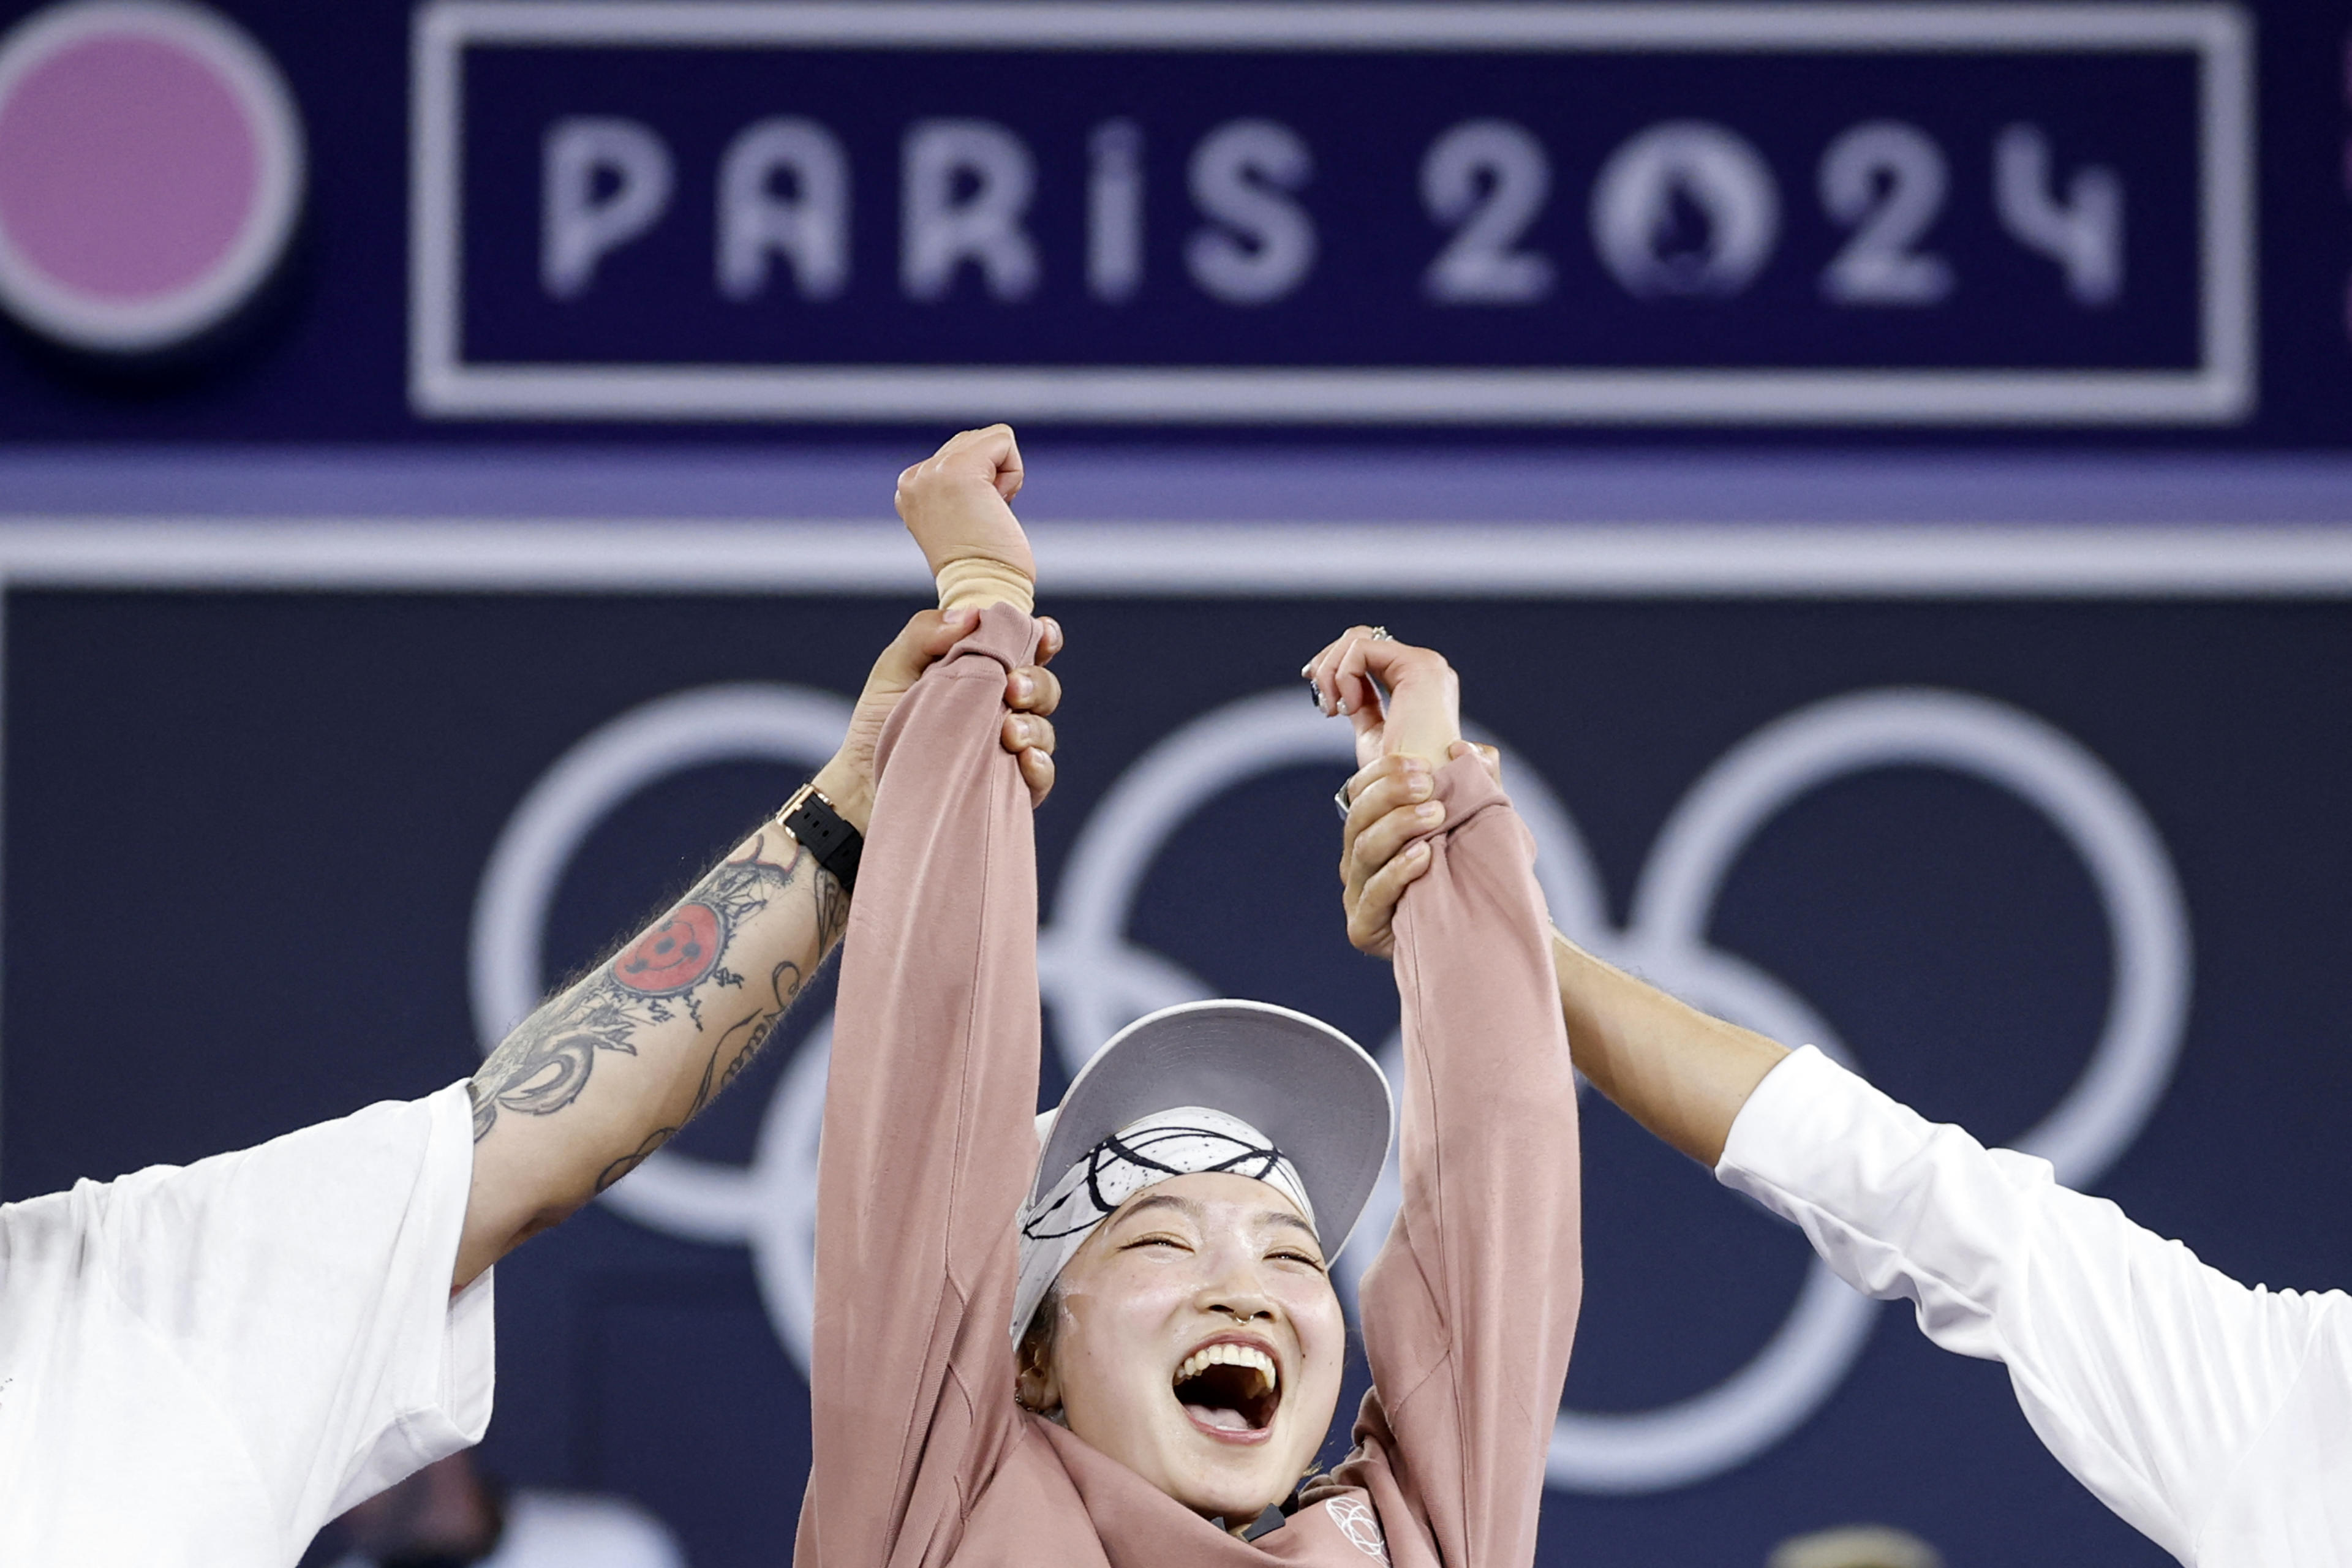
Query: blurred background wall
(1880,471)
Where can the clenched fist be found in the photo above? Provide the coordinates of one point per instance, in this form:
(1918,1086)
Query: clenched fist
(955,502)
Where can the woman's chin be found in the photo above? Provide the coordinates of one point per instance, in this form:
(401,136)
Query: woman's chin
(1232,1504)
(1232,1483)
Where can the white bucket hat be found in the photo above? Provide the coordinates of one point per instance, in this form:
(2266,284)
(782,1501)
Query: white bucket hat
(1243,1087)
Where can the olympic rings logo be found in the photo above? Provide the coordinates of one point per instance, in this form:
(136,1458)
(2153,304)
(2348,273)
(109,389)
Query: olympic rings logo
(1095,978)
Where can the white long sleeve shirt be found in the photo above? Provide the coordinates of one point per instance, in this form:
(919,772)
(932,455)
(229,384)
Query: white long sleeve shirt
(2214,1419)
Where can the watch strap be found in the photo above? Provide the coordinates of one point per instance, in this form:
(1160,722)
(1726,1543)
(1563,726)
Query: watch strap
(824,833)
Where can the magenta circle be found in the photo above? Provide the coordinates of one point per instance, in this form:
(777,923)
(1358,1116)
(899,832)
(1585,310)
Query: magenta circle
(127,167)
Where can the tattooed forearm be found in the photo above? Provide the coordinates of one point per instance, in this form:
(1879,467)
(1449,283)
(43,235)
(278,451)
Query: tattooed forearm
(672,973)
(635,1157)
(544,1064)
(832,909)
(742,1042)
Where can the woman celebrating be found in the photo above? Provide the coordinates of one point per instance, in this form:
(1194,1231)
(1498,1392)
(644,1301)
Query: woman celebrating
(1126,1348)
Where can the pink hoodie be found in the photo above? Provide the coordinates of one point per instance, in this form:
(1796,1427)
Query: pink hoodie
(922,1454)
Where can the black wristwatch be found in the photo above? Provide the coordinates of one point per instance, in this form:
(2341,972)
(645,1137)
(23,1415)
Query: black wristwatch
(824,833)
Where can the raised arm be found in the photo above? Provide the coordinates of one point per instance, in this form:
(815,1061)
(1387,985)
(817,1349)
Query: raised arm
(2150,1377)
(928,1138)
(2156,1381)
(1470,1309)
(1676,1070)
(607,1071)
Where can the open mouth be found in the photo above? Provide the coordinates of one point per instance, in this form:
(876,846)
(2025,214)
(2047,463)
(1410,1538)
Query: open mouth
(1230,1389)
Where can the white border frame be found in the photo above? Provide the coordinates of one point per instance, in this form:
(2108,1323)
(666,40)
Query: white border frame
(1239,560)
(2220,391)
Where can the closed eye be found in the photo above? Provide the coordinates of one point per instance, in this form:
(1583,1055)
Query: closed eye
(1167,1241)
(1311,1262)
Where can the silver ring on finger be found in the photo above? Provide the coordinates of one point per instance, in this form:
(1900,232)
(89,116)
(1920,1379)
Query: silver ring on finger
(1380,634)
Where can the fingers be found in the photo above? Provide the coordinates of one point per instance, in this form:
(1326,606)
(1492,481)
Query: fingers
(990,452)
(1352,680)
(930,634)
(1391,809)
(919,644)
(1423,713)
(1318,676)
(1381,785)
(1009,474)
(1371,924)
(1389,837)
(1325,669)
(1487,755)
(1031,689)
(1344,672)
(1371,774)
(954,501)
(941,629)
(993,444)
(1037,773)
(1030,739)
(1345,682)
(1376,790)
(1393,662)
(1026,731)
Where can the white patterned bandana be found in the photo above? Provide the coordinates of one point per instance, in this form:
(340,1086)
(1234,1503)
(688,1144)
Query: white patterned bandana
(1145,1152)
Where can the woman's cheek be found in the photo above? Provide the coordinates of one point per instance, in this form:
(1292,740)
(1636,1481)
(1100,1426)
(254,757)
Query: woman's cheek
(1123,1312)
(1149,1294)
(1322,1328)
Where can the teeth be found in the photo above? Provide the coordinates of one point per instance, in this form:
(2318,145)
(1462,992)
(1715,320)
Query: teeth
(1250,1356)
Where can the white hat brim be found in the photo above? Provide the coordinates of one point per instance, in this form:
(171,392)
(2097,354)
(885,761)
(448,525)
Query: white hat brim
(1313,1091)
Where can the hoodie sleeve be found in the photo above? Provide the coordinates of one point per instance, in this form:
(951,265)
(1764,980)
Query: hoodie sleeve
(1470,1309)
(928,1144)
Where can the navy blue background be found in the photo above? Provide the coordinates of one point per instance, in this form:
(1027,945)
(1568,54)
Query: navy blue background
(1369,120)
(322,355)
(244,833)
